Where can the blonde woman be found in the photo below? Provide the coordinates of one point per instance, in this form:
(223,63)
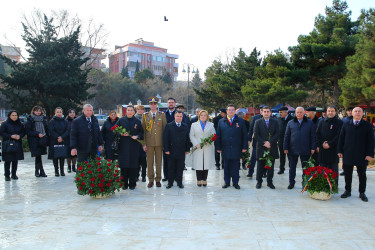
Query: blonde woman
(203,158)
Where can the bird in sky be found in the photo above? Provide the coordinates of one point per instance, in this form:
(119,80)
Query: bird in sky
(165,19)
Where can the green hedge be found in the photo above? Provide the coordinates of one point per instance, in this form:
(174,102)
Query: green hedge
(25,145)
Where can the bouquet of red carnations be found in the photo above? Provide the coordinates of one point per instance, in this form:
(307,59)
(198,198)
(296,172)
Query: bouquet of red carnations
(205,141)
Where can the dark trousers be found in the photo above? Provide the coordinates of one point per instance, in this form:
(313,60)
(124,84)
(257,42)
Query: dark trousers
(175,170)
(38,160)
(56,162)
(361,170)
(7,168)
(202,175)
(261,170)
(217,159)
(282,157)
(231,169)
(293,160)
(142,165)
(129,176)
(165,165)
(81,157)
(253,160)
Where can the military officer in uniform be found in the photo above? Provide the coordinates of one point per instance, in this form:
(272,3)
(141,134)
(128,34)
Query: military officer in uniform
(153,123)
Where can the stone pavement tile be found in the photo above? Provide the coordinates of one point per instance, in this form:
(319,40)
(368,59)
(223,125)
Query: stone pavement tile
(214,200)
(313,243)
(229,230)
(209,213)
(360,214)
(365,244)
(135,211)
(323,230)
(207,243)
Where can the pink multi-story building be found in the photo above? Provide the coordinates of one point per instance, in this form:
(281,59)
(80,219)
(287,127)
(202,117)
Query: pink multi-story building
(13,53)
(147,55)
(95,57)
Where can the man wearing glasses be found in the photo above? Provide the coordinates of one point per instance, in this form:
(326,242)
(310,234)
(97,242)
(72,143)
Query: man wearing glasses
(153,123)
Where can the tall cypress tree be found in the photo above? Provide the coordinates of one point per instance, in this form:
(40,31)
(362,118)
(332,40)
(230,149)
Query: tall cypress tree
(52,77)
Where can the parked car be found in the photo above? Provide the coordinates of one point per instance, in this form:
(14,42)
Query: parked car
(101,119)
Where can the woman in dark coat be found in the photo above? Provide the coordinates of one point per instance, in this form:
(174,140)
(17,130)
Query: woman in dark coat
(71,160)
(58,131)
(108,135)
(37,137)
(129,147)
(12,130)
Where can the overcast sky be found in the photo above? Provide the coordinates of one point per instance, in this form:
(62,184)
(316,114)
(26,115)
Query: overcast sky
(198,31)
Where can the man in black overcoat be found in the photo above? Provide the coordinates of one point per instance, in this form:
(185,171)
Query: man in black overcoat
(283,121)
(85,137)
(169,115)
(311,114)
(247,124)
(327,137)
(176,145)
(356,147)
(266,133)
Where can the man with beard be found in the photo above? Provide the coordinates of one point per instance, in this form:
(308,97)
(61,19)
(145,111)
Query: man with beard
(169,115)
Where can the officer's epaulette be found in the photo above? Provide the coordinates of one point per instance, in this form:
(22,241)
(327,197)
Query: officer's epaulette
(161,112)
(146,113)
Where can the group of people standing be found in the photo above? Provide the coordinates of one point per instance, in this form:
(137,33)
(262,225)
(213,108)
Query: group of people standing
(55,135)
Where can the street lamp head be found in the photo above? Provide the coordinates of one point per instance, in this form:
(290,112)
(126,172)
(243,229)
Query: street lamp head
(183,70)
(193,71)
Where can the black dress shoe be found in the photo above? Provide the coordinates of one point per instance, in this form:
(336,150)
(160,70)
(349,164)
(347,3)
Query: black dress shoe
(7,178)
(249,175)
(192,168)
(346,194)
(14,177)
(185,168)
(291,186)
(342,173)
(143,179)
(124,187)
(217,168)
(169,186)
(225,186)
(258,185)
(181,186)
(132,188)
(165,179)
(236,186)
(280,172)
(69,169)
(363,197)
(271,186)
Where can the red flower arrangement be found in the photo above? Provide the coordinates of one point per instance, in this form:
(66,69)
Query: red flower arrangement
(104,181)
(205,141)
(319,179)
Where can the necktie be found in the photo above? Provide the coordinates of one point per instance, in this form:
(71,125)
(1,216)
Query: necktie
(267,124)
(89,121)
(179,124)
(153,116)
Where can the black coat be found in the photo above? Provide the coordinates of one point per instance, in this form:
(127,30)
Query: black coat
(356,142)
(176,140)
(232,139)
(262,133)
(33,137)
(108,135)
(216,120)
(7,129)
(283,122)
(300,139)
(170,118)
(57,127)
(129,148)
(328,130)
(79,136)
(69,120)
(251,129)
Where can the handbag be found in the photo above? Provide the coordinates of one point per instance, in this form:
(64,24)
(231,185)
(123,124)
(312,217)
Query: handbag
(43,142)
(10,146)
(59,151)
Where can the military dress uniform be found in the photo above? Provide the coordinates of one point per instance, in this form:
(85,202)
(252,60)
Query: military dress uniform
(153,137)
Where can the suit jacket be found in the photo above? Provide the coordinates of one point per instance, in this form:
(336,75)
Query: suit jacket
(262,133)
(328,130)
(80,134)
(251,129)
(153,129)
(356,142)
(176,140)
(170,118)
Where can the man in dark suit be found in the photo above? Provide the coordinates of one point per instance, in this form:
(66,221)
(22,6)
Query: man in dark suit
(223,113)
(176,145)
(346,119)
(185,118)
(299,142)
(231,142)
(169,115)
(253,158)
(195,118)
(283,121)
(311,114)
(247,123)
(327,137)
(356,147)
(85,137)
(266,133)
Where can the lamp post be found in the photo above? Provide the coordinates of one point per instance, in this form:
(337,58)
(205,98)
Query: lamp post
(188,65)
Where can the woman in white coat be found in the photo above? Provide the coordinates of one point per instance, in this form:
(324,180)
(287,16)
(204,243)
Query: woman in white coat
(203,158)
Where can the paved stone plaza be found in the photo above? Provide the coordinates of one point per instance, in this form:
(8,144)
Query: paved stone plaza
(47,213)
